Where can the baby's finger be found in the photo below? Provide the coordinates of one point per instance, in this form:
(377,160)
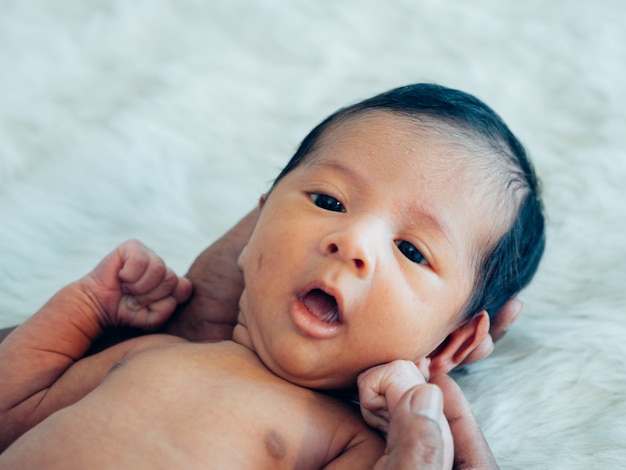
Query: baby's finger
(388,381)
(161,289)
(135,258)
(379,420)
(153,275)
(371,394)
(151,316)
(183,290)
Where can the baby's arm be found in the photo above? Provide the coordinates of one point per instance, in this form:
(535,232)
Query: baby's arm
(131,287)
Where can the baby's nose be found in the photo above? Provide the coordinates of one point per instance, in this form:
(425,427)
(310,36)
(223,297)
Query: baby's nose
(358,258)
(353,245)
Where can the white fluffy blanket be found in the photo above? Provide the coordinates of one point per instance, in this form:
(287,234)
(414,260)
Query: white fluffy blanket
(166,119)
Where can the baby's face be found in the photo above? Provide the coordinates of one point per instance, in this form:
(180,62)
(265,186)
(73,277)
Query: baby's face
(363,254)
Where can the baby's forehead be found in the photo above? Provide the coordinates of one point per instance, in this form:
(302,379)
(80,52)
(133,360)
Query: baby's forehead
(415,126)
(453,147)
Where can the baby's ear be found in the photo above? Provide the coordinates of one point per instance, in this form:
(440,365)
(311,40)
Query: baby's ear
(459,344)
(262,200)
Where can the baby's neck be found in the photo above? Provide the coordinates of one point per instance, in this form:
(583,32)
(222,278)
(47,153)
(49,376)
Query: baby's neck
(241,336)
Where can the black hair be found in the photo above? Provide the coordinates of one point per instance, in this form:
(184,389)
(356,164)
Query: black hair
(513,259)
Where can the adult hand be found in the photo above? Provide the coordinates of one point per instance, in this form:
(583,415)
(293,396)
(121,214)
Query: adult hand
(471,450)
(415,440)
(396,400)
(211,313)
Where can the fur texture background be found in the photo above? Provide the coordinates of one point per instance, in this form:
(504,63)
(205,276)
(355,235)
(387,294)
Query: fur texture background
(166,120)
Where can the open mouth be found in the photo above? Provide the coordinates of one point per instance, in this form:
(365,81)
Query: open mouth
(321,305)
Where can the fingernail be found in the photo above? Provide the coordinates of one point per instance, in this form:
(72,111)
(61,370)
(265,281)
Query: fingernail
(427,401)
(131,302)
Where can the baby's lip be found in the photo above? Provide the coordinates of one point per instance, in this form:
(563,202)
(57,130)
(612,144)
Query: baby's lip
(323,303)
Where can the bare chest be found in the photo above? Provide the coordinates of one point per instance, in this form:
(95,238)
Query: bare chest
(215,405)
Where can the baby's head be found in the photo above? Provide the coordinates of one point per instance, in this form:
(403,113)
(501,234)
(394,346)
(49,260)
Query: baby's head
(397,225)
(509,264)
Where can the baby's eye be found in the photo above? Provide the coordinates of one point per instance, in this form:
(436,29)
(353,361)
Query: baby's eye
(327,202)
(412,253)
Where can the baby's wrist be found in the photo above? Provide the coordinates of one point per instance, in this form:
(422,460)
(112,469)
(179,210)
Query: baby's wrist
(97,303)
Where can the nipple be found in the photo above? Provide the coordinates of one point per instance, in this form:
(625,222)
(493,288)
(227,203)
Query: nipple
(275,445)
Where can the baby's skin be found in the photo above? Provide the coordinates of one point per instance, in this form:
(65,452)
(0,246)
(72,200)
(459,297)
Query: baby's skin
(161,401)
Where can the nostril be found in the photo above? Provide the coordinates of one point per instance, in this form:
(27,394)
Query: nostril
(348,253)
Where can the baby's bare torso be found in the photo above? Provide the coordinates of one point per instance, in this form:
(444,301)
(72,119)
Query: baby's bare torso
(187,405)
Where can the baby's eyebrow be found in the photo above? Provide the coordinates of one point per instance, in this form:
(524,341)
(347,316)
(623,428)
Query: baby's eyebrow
(357,178)
(430,220)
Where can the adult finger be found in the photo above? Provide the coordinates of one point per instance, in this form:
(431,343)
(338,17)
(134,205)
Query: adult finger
(471,450)
(415,439)
(508,314)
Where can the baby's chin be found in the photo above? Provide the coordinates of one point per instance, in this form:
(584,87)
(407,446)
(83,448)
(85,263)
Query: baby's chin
(311,378)
(291,368)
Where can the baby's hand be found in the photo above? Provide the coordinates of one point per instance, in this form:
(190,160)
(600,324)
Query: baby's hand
(133,287)
(380,390)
